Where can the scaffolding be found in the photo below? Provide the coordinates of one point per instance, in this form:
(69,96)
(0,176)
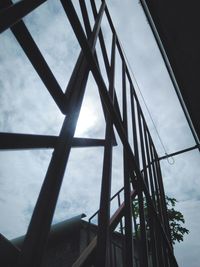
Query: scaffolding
(141,169)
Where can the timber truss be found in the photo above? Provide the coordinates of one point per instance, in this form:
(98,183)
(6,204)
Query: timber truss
(141,169)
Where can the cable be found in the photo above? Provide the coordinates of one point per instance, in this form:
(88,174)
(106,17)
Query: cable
(170,162)
(149,113)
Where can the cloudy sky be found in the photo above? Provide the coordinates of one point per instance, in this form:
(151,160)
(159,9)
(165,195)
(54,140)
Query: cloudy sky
(26,107)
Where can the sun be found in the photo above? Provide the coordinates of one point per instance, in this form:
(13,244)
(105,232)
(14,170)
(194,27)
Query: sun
(86,121)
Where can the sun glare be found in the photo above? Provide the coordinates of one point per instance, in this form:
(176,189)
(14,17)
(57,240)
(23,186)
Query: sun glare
(86,121)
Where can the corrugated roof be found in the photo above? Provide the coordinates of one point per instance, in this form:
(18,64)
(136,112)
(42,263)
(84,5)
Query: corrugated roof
(58,231)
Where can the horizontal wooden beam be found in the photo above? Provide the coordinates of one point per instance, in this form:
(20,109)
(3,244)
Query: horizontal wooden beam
(10,141)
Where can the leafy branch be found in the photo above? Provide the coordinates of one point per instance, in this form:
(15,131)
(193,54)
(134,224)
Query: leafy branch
(176,219)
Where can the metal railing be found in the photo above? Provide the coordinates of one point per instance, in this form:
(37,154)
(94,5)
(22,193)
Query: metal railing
(154,234)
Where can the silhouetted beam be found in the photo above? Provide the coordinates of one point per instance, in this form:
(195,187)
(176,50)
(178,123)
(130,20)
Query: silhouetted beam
(15,12)
(26,141)
(179,152)
(42,216)
(30,141)
(74,20)
(89,142)
(33,53)
(156,32)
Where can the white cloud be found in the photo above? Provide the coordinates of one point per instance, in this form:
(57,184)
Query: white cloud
(188,252)
(27,107)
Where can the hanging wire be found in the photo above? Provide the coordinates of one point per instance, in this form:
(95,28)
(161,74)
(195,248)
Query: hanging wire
(172,161)
(148,111)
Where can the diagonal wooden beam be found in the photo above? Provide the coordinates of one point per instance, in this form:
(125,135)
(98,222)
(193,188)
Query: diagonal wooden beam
(12,13)
(89,251)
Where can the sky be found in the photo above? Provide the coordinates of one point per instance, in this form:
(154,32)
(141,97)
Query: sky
(27,107)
